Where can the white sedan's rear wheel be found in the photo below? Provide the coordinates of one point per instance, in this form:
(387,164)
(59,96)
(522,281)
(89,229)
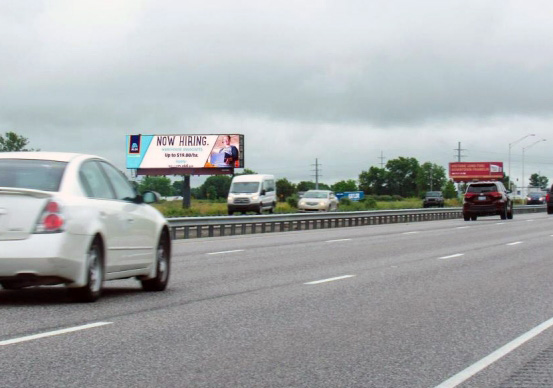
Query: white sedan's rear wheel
(163,266)
(95,276)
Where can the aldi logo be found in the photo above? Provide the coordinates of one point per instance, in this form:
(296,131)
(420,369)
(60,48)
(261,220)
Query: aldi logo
(134,144)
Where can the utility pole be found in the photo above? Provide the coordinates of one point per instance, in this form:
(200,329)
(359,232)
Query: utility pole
(510,146)
(317,174)
(459,149)
(459,156)
(186,191)
(381,160)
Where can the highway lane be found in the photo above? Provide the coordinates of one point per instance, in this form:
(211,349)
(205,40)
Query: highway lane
(420,303)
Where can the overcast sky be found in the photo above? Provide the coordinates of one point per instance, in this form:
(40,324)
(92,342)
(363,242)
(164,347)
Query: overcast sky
(341,81)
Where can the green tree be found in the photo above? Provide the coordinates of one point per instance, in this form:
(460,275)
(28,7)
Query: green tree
(221,185)
(308,185)
(402,176)
(196,192)
(449,190)
(160,184)
(177,187)
(537,180)
(324,186)
(13,142)
(305,185)
(211,193)
(430,177)
(246,171)
(284,188)
(341,186)
(373,181)
(507,182)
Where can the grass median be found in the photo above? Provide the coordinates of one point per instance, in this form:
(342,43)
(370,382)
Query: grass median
(204,208)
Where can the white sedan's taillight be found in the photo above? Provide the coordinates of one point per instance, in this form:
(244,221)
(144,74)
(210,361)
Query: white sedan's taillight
(51,220)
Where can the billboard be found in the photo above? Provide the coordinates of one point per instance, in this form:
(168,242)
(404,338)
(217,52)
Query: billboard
(464,172)
(197,154)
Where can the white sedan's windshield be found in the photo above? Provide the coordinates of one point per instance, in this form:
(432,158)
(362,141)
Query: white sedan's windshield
(315,194)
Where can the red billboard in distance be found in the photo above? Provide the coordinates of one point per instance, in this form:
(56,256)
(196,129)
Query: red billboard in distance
(469,171)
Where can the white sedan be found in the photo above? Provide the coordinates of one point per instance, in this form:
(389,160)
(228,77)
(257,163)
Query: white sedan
(75,219)
(318,201)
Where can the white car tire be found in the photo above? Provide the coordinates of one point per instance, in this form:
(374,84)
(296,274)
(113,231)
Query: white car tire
(94,276)
(163,266)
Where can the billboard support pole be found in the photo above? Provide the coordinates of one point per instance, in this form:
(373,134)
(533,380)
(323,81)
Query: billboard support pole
(186,192)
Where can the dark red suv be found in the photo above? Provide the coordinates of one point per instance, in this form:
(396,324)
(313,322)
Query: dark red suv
(549,200)
(486,199)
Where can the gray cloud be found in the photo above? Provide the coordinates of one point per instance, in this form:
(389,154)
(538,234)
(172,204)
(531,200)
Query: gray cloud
(336,80)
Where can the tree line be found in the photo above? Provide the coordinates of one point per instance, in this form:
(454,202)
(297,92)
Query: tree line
(403,177)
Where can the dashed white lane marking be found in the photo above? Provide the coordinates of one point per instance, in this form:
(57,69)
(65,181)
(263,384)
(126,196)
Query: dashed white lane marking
(222,252)
(529,220)
(499,223)
(466,374)
(330,279)
(451,256)
(515,243)
(342,239)
(410,232)
(462,227)
(53,333)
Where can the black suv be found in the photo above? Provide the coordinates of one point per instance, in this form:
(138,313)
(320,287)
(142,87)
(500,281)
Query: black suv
(433,198)
(485,199)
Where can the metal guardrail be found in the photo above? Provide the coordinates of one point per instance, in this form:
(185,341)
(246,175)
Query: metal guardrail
(197,227)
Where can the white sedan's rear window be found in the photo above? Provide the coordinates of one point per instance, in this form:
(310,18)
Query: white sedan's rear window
(31,174)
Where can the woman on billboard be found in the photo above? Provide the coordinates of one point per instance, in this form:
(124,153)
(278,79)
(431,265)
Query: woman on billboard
(230,152)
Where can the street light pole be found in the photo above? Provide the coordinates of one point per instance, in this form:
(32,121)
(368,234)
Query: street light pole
(510,145)
(524,149)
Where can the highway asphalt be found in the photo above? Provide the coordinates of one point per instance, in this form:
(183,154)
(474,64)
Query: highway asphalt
(402,305)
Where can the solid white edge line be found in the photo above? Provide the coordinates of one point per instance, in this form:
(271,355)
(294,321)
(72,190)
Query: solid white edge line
(222,252)
(330,279)
(467,373)
(53,333)
(342,239)
(451,256)
(515,243)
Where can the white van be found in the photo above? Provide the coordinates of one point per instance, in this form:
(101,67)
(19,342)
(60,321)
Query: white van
(252,192)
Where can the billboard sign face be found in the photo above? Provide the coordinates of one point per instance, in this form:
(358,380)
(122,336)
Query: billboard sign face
(464,172)
(352,195)
(185,151)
